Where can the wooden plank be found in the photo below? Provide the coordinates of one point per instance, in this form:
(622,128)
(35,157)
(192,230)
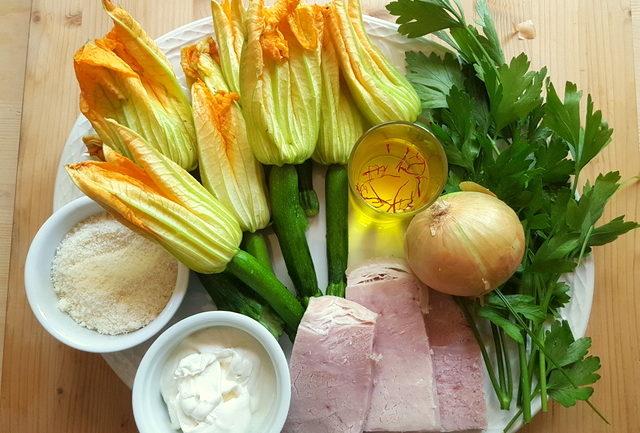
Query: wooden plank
(14,35)
(48,387)
(635,25)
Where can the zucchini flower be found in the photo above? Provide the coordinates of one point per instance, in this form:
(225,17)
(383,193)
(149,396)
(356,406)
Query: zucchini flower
(162,201)
(381,92)
(341,127)
(280,88)
(342,124)
(124,76)
(228,21)
(228,168)
(280,80)
(202,62)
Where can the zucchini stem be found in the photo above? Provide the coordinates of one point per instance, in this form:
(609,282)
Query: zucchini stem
(263,281)
(337,215)
(256,244)
(290,223)
(308,196)
(231,294)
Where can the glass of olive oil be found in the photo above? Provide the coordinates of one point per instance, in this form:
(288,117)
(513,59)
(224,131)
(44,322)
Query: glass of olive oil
(395,170)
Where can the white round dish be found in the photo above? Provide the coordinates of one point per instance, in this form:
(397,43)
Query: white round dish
(364,241)
(44,301)
(149,409)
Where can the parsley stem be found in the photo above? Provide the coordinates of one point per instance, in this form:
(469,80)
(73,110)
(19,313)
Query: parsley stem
(584,244)
(543,382)
(500,394)
(574,184)
(518,414)
(525,383)
(542,372)
(494,145)
(502,361)
(509,389)
(513,421)
(540,345)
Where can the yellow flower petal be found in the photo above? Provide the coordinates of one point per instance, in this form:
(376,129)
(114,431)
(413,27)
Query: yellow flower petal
(196,237)
(176,183)
(228,168)
(124,76)
(280,81)
(381,92)
(305,23)
(201,62)
(341,122)
(228,21)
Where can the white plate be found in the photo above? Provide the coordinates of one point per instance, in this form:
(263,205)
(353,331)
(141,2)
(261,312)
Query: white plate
(364,241)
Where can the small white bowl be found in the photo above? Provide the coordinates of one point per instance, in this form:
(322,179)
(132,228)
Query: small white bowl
(149,409)
(44,301)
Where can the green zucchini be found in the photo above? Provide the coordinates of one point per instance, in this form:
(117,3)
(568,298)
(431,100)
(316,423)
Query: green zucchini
(263,281)
(337,206)
(231,294)
(290,224)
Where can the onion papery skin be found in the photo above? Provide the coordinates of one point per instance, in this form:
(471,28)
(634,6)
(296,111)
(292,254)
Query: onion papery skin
(465,244)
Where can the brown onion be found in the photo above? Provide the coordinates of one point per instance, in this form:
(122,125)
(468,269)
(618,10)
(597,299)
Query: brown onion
(465,244)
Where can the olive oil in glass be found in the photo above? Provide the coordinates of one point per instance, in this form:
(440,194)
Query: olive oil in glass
(396,169)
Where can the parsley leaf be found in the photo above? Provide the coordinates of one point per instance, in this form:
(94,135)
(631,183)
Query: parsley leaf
(501,318)
(552,256)
(559,297)
(584,213)
(552,158)
(522,304)
(581,373)
(485,20)
(433,77)
(562,347)
(421,17)
(597,135)
(514,91)
(610,231)
(564,120)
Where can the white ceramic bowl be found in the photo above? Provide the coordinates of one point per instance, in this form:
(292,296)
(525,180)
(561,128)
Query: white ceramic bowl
(149,409)
(44,301)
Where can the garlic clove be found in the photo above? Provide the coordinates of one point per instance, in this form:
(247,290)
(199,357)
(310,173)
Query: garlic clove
(525,30)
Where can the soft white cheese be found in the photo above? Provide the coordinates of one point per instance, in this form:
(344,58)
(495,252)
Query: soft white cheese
(218,380)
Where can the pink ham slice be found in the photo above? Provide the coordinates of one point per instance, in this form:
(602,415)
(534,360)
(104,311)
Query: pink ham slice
(457,364)
(404,396)
(331,367)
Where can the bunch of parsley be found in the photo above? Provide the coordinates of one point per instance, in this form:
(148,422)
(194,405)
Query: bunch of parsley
(504,127)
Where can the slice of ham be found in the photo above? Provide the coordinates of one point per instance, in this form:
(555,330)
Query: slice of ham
(457,364)
(404,396)
(331,368)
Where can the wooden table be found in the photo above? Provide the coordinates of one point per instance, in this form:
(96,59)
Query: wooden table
(48,387)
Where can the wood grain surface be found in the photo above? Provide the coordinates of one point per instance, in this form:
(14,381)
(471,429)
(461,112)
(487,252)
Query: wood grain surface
(14,34)
(48,387)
